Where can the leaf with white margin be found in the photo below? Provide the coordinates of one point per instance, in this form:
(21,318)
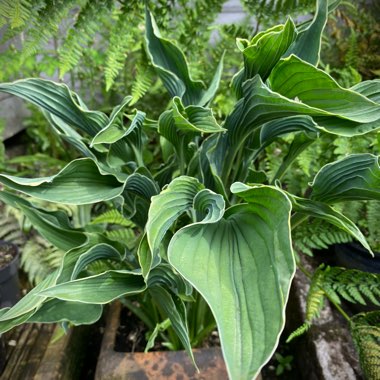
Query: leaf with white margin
(242,264)
(58,100)
(167,206)
(355,177)
(79,182)
(54,311)
(323,211)
(99,289)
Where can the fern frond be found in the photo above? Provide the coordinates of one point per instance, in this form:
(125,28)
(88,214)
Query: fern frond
(39,258)
(298,332)
(14,12)
(112,217)
(351,284)
(10,229)
(373,212)
(317,235)
(124,235)
(121,40)
(142,83)
(44,25)
(365,330)
(87,23)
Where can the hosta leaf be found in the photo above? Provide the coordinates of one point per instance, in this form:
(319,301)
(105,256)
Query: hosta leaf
(27,306)
(262,53)
(242,265)
(62,238)
(175,310)
(113,133)
(171,66)
(295,78)
(164,275)
(167,206)
(369,88)
(98,289)
(100,251)
(80,182)
(58,100)
(307,46)
(283,126)
(194,118)
(323,211)
(354,177)
(170,63)
(54,311)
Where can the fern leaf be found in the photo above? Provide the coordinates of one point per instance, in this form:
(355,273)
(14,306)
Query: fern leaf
(112,217)
(352,285)
(124,235)
(365,330)
(142,82)
(84,29)
(121,40)
(298,332)
(39,258)
(44,25)
(14,12)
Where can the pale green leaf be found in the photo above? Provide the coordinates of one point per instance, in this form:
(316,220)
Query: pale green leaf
(352,178)
(108,286)
(242,265)
(80,182)
(54,311)
(58,100)
(167,206)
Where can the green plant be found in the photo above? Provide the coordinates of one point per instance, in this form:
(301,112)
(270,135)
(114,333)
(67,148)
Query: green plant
(284,363)
(203,229)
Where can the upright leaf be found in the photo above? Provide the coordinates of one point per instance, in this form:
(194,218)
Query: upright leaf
(242,264)
(307,46)
(167,206)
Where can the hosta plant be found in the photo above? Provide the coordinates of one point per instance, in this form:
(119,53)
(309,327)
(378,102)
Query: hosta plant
(196,220)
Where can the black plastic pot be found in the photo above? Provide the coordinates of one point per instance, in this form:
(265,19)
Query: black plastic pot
(354,256)
(9,282)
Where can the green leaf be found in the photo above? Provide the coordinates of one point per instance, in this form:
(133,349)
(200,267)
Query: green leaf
(62,238)
(295,78)
(54,311)
(98,289)
(352,178)
(194,118)
(175,310)
(264,50)
(58,100)
(283,126)
(27,306)
(113,133)
(369,88)
(323,211)
(172,68)
(167,206)
(242,265)
(346,112)
(100,251)
(80,182)
(307,46)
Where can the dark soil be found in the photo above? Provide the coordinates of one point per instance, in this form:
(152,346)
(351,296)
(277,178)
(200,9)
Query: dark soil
(131,336)
(7,254)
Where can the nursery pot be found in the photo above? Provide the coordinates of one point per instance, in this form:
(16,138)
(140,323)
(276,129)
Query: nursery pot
(154,365)
(355,256)
(9,283)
